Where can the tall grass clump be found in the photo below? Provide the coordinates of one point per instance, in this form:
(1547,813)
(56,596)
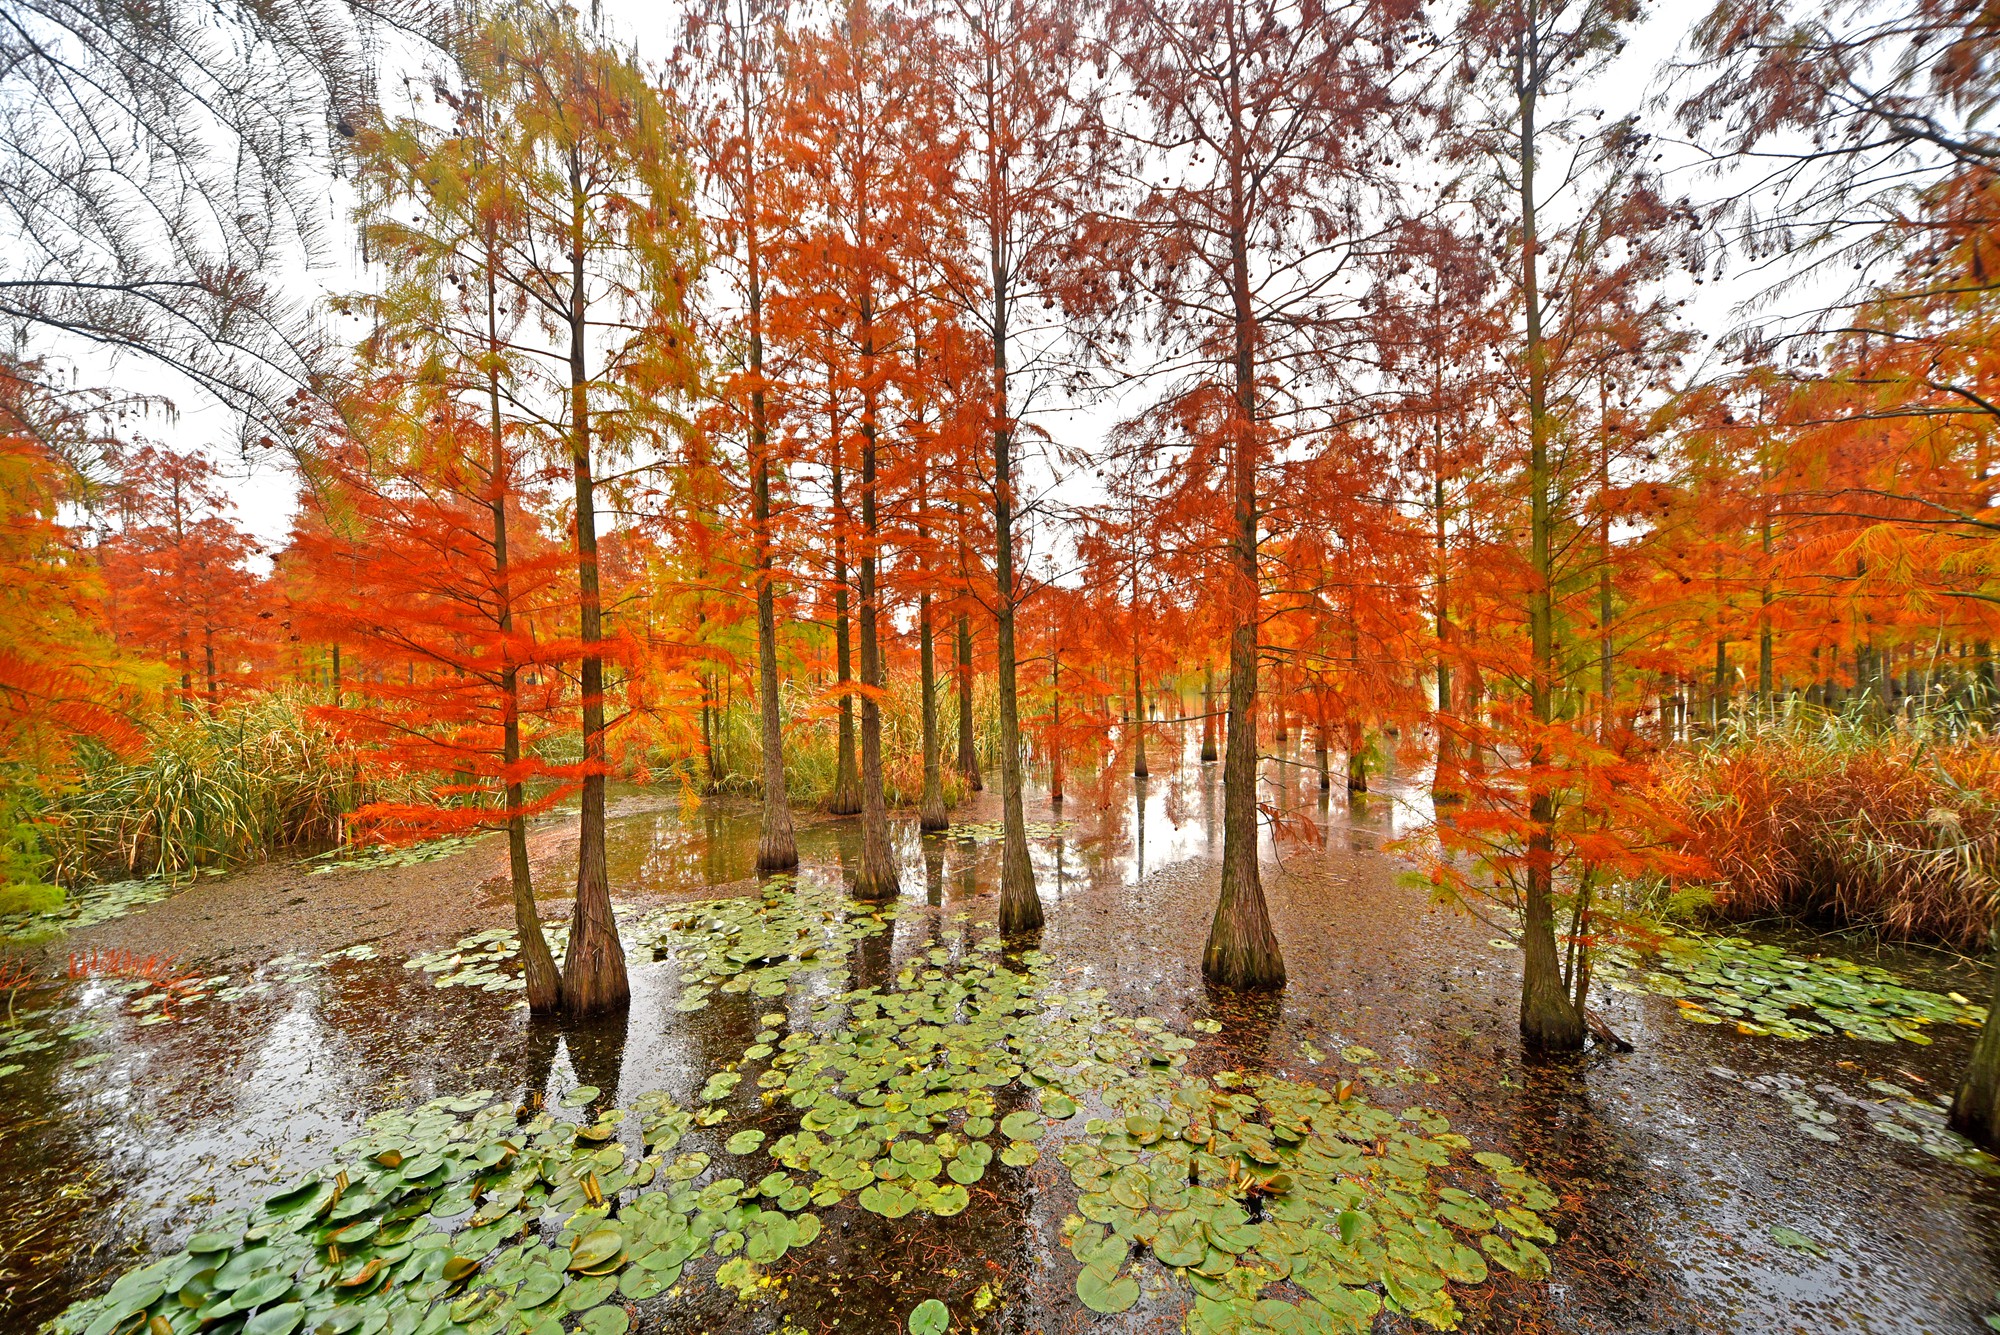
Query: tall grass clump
(1843,820)
(210,791)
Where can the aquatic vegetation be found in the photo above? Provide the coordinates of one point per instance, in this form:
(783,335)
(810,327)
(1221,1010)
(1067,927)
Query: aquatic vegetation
(991,831)
(1764,990)
(1256,1181)
(744,943)
(374,857)
(460,1214)
(1896,1113)
(84,906)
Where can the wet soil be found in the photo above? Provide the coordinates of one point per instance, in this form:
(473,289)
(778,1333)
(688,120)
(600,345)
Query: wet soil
(1673,1163)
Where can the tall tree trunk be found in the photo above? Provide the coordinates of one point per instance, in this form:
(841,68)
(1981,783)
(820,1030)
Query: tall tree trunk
(1020,906)
(968,753)
(846,798)
(1319,757)
(1607,663)
(1766,683)
(1138,689)
(1242,950)
(930,813)
(877,878)
(1357,757)
(1208,750)
(1055,728)
(1445,780)
(777,848)
(544,984)
(594,977)
(1550,1020)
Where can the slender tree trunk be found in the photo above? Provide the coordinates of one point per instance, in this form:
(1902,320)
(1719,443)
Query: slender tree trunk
(1550,1020)
(1055,729)
(1445,780)
(594,977)
(846,798)
(1020,906)
(1208,751)
(931,813)
(1766,682)
(777,848)
(335,664)
(1721,705)
(544,983)
(1357,757)
(1607,664)
(1242,950)
(1320,750)
(968,753)
(877,878)
(1138,690)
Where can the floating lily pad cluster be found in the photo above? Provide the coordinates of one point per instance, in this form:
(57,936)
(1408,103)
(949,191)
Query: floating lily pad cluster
(1762,989)
(754,944)
(757,943)
(376,857)
(462,1216)
(482,959)
(85,906)
(1332,1206)
(435,1221)
(1896,1113)
(989,831)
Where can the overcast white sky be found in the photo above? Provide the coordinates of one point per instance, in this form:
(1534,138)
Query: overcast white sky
(264,489)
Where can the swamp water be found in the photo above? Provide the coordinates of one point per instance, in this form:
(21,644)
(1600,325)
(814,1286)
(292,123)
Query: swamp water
(820,1118)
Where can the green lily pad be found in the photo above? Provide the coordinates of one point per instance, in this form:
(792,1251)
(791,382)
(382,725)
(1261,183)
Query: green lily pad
(595,1250)
(280,1320)
(929,1317)
(1792,1240)
(1022,1125)
(1110,1296)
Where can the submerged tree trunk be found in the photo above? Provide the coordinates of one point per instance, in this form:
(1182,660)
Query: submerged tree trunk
(877,878)
(1242,950)
(1357,757)
(846,797)
(1319,756)
(594,966)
